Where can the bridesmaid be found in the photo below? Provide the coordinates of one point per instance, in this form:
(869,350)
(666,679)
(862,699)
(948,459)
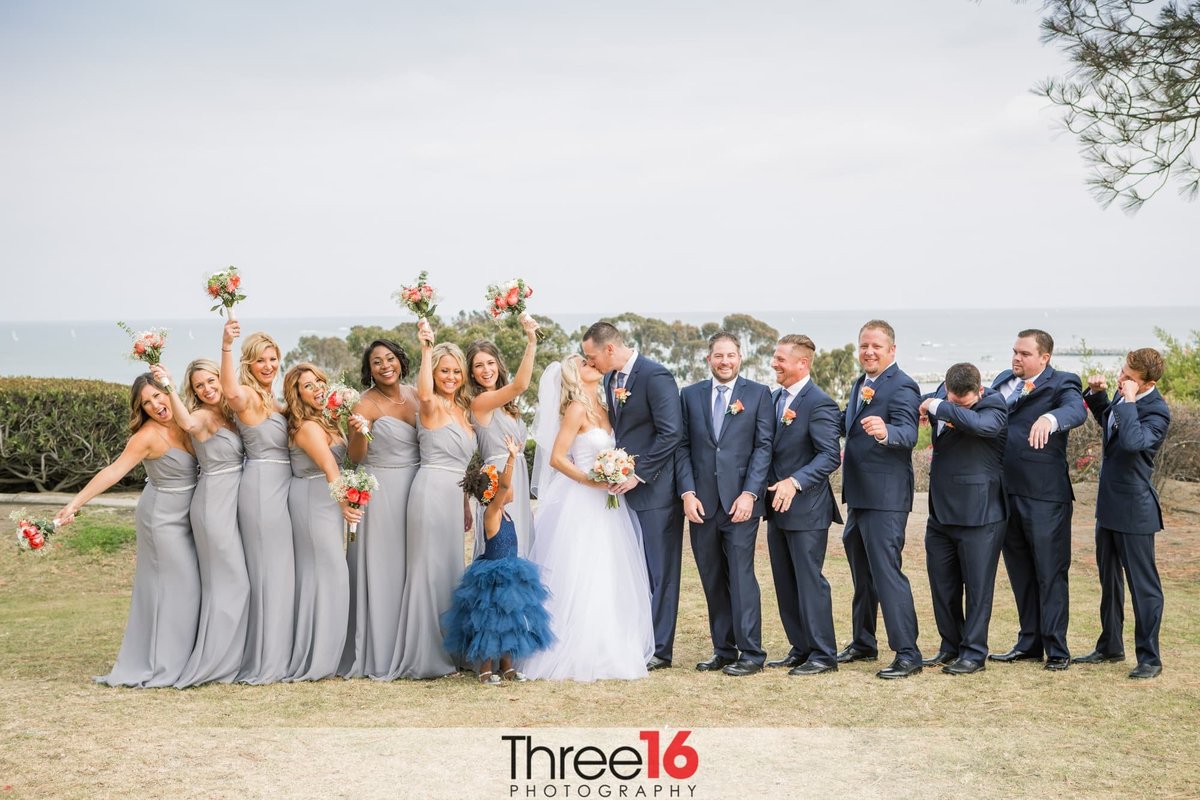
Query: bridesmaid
(322,582)
(262,503)
(495,413)
(438,513)
(376,556)
(225,587)
(165,607)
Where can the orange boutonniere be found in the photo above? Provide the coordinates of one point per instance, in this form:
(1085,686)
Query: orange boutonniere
(950,425)
(736,408)
(621,394)
(867,394)
(493,474)
(1027,389)
(788,416)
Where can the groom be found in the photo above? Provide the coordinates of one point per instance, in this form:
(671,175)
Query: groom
(643,407)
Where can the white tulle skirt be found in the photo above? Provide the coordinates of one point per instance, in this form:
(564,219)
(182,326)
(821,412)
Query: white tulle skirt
(595,569)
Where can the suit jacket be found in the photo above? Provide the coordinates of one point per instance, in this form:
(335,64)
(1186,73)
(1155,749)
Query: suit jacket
(966,476)
(718,470)
(648,425)
(880,476)
(1042,474)
(1126,500)
(807,450)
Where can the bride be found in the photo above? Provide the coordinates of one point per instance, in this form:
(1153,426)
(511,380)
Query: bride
(591,556)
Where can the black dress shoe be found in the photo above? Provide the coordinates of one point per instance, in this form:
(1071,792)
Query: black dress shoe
(964,666)
(1014,655)
(789,662)
(812,668)
(742,668)
(941,659)
(657,663)
(713,664)
(1143,671)
(1057,663)
(899,668)
(851,653)
(1096,657)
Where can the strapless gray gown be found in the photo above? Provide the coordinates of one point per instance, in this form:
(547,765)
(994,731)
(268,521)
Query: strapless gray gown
(165,607)
(491,445)
(376,556)
(322,582)
(435,549)
(224,583)
(267,539)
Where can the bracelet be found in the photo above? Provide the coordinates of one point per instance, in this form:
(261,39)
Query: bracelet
(226,350)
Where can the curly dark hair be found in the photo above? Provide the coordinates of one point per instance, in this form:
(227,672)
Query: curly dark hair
(475,482)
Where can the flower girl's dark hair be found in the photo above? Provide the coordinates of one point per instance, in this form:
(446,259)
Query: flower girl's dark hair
(481,480)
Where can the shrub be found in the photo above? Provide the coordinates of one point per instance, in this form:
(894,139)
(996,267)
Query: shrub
(56,433)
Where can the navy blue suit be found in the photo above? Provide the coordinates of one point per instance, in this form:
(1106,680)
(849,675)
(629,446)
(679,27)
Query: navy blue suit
(718,469)
(1127,517)
(806,449)
(1037,541)
(649,425)
(877,488)
(968,511)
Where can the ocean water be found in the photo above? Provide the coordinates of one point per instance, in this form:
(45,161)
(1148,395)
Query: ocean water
(927,341)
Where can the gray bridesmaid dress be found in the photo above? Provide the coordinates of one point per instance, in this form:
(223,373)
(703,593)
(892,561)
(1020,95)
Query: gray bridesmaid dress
(491,445)
(224,583)
(267,539)
(165,607)
(376,556)
(435,549)
(322,581)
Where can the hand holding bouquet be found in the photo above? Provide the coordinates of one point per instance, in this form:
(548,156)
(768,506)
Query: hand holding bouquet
(147,345)
(223,287)
(613,466)
(509,298)
(33,533)
(336,404)
(353,487)
(418,298)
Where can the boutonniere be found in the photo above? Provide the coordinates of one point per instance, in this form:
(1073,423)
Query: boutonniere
(1027,389)
(950,425)
(622,394)
(867,394)
(735,408)
(788,416)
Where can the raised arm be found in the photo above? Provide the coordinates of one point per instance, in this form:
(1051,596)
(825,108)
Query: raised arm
(194,425)
(426,396)
(987,422)
(236,395)
(487,402)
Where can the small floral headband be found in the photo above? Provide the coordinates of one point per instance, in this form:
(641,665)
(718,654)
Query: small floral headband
(489,494)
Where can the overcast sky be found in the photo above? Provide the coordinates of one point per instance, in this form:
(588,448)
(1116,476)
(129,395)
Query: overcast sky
(642,156)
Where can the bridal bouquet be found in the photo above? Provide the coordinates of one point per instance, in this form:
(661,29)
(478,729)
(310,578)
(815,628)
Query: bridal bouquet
(223,287)
(509,298)
(147,345)
(418,298)
(33,533)
(336,404)
(353,486)
(613,466)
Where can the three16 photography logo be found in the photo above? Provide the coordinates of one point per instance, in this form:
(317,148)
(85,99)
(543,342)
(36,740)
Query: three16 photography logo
(655,764)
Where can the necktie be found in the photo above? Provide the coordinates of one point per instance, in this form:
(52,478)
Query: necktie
(1015,394)
(781,403)
(719,410)
(620,380)
(1112,415)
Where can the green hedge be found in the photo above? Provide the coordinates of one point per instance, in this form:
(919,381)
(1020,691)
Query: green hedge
(56,433)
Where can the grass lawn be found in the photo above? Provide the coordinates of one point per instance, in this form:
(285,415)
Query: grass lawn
(1014,730)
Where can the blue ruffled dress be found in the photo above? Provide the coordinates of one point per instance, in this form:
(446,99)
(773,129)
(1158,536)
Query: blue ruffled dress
(499,607)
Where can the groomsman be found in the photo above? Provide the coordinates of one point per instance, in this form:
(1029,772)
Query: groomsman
(1127,511)
(721,472)
(1043,405)
(967,514)
(805,453)
(643,407)
(880,426)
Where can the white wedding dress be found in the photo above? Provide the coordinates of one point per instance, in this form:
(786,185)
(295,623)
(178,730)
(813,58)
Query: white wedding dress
(594,567)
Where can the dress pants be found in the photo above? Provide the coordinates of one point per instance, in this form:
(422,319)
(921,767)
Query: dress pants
(662,540)
(724,552)
(874,542)
(1133,555)
(1037,556)
(805,604)
(963,558)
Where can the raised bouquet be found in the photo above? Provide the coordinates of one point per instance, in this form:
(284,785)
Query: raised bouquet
(509,298)
(223,287)
(418,298)
(613,466)
(336,404)
(354,486)
(147,345)
(33,533)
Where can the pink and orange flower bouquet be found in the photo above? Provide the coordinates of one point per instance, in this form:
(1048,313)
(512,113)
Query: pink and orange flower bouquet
(224,288)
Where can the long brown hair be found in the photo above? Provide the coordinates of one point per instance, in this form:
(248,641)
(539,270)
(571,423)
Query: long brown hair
(137,415)
(475,388)
(298,412)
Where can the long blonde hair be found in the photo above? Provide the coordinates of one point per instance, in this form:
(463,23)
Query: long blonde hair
(255,345)
(298,412)
(462,397)
(190,399)
(573,391)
